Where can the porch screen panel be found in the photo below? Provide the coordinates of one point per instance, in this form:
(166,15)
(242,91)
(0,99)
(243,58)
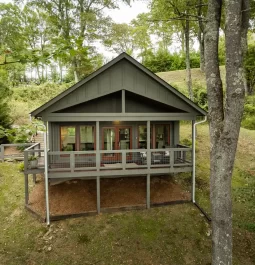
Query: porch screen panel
(67,138)
(162,136)
(87,138)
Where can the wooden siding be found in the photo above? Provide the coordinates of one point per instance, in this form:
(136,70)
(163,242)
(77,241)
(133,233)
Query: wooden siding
(122,75)
(110,103)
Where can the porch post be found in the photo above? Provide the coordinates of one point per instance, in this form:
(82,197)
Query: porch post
(26,189)
(148,144)
(98,158)
(97,147)
(123,101)
(98,194)
(193,189)
(46,176)
(148,191)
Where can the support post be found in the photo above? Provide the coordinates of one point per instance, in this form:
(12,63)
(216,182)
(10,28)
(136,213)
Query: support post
(34,178)
(2,153)
(26,189)
(97,147)
(123,101)
(193,190)
(98,194)
(72,162)
(46,177)
(148,144)
(25,160)
(148,192)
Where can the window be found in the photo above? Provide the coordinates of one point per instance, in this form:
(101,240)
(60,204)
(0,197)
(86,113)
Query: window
(77,138)
(142,136)
(162,138)
(87,138)
(67,136)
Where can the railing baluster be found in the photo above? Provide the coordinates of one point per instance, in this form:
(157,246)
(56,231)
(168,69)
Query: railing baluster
(72,162)
(171,158)
(124,159)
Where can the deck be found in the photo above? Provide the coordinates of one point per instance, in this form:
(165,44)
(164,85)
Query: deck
(112,163)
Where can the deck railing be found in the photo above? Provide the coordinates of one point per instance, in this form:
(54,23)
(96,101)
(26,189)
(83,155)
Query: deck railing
(37,154)
(16,152)
(75,161)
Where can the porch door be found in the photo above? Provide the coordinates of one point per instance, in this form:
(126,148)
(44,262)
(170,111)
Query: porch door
(116,138)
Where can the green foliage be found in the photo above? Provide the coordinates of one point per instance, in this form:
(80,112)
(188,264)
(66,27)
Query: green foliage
(22,134)
(200,96)
(186,141)
(250,69)
(37,95)
(249,113)
(21,166)
(5,118)
(163,61)
(32,158)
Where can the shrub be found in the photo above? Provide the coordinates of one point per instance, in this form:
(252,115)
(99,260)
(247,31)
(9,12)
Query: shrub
(21,166)
(249,123)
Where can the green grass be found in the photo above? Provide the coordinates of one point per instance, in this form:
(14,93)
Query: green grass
(168,235)
(178,78)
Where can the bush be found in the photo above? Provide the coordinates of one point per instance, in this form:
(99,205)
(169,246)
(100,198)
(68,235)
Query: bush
(21,166)
(249,123)
(200,96)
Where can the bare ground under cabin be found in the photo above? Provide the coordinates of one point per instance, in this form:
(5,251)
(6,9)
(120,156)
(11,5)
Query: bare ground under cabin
(79,196)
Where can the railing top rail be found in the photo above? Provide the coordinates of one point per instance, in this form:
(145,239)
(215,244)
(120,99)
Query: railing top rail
(182,145)
(117,151)
(33,150)
(25,144)
(32,146)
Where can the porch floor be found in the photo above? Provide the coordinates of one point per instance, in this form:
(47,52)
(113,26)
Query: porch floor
(79,196)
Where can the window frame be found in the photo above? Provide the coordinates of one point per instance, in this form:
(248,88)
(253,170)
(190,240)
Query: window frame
(77,135)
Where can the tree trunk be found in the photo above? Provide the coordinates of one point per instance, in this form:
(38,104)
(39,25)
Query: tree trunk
(224,123)
(187,60)
(201,36)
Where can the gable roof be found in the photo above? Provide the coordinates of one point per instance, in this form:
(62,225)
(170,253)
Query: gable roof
(107,66)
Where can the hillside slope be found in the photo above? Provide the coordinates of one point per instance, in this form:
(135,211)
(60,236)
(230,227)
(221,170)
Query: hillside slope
(178,78)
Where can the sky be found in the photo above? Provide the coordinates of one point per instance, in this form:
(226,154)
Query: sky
(126,13)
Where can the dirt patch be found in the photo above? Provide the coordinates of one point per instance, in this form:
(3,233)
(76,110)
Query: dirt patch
(78,196)
(12,150)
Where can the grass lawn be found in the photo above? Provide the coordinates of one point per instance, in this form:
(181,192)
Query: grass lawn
(168,235)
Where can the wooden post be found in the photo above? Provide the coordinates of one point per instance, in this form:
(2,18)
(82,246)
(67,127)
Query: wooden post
(98,194)
(123,101)
(34,178)
(148,144)
(25,160)
(193,189)
(72,162)
(2,153)
(124,159)
(148,191)
(97,147)
(26,189)
(172,154)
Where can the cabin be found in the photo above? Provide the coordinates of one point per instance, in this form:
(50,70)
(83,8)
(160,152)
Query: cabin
(122,120)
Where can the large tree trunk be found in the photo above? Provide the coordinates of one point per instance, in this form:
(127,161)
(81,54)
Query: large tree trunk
(224,122)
